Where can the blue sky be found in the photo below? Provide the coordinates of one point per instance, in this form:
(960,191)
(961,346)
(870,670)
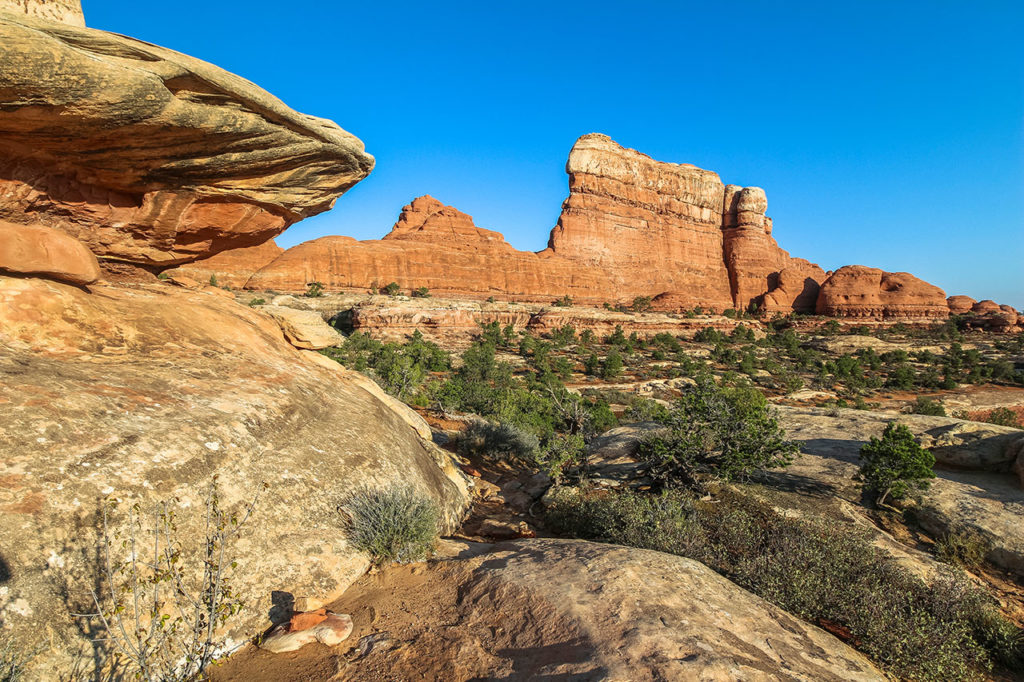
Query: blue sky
(888,134)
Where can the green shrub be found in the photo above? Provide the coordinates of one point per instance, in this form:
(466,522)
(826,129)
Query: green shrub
(641,304)
(213,280)
(396,524)
(420,292)
(501,442)
(1003,416)
(927,406)
(257,301)
(646,410)
(946,630)
(612,365)
(715,432)
(965,549)
(391,289)
(895,463)
(564,302)
(561,451)
(314,290)
(491,299)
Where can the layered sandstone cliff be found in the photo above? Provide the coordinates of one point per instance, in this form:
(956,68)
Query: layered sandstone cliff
(631,226)
(147,155)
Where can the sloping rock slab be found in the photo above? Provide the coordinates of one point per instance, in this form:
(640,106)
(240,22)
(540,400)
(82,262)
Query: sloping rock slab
(144,394)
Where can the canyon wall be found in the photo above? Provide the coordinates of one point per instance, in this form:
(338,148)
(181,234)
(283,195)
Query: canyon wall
(631,226)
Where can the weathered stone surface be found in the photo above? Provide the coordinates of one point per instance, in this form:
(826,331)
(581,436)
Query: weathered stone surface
(304,328)
(46,252)
(64,11)
(795,288)
(861,292)
(632,614)
(144,393)
(150,156)
(233,267)
(958,305)
(437,247)
(631,227)
(988,502)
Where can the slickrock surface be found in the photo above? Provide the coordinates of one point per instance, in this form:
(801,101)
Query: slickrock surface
(857,291)
(143,394)
(46,252)
(304,328)
(985,502)
(548,609)
(64,11)
(631,226)
(150,156)
(232,268)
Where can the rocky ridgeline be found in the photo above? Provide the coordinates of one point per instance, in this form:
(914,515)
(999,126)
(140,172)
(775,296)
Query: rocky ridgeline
(631,226)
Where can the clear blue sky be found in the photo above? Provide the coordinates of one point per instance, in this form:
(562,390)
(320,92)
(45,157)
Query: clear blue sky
(886,133)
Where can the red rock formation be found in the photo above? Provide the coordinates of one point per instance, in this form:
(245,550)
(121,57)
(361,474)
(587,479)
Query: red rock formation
(437,247)
(150,156)
(959,305)
(45,252)
(861,292)
(232,268)
(631,227)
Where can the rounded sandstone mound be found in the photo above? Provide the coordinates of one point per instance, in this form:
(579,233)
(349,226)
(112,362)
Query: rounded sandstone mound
(145,394)
(861,292)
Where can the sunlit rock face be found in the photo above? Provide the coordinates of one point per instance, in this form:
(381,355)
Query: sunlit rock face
(147,155)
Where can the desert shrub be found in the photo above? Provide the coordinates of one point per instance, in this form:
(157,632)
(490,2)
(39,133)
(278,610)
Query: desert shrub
(491,299)
(646,410)
(927,406)
(420,292)
(394,524)
(501,442)
(715,432)
(564,302)
(895,463)
(392,289)
(612,365)
(1003,416)
(592,365)
(641,304)
(945,630)
(12,661)
(562,450)
(164,603)
(962,548)
(257,301)
(563,336)
(708,335)
(314,290)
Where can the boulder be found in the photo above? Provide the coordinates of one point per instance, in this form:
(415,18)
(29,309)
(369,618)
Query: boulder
(573,610)
(959,305)
(856,291)
(304,328)
(149,156)
(144,394)
(45,252)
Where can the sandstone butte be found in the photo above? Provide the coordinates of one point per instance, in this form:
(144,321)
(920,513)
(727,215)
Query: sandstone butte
(631,226)
(149,156)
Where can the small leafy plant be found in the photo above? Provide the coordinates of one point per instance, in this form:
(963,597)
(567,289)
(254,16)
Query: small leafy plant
(314,290)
